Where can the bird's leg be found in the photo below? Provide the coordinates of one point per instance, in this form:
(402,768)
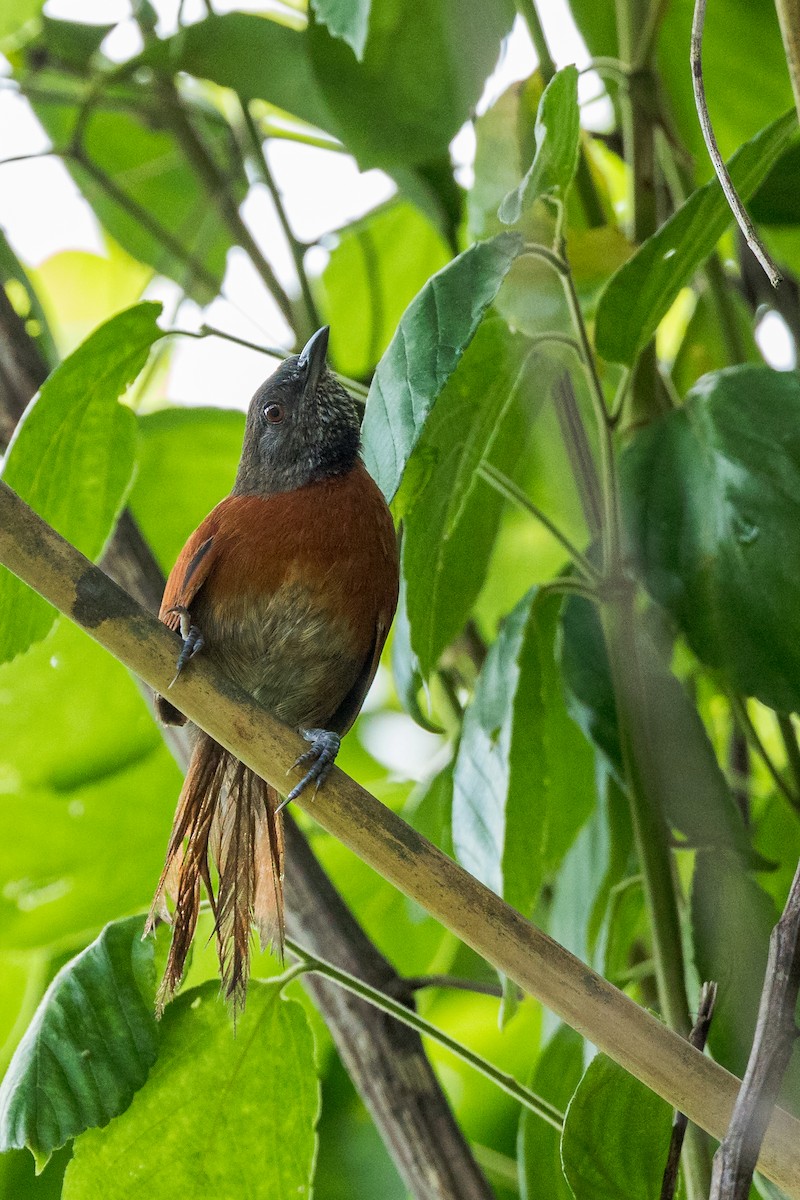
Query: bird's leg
(192,639)
(322,755)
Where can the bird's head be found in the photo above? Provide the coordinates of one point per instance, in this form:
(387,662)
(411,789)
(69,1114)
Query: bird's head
(302,425)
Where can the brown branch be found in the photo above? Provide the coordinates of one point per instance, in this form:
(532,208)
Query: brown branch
(731,195)
(776,1032)
(708,998)
(386,1061)
(22,368)
(635,1039)
(219,194)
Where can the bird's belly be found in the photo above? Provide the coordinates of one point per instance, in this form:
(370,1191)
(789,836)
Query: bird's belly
(289,652)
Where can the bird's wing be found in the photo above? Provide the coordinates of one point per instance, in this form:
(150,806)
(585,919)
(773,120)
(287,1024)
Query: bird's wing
(190,572)
(350,707)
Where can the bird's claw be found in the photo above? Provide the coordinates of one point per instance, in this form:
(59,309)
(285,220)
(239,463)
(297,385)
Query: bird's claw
(193,640)
(322,755)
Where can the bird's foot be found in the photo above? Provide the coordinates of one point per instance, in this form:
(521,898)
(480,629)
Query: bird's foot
(192,639)
(322,755)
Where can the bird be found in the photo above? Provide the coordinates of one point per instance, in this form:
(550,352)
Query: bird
(289,586)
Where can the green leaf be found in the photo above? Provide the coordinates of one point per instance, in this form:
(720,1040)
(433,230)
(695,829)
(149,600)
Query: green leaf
(28,306)
(373,274)
(70,714)
(504,143)
(73,42)
(19,1179)
(555,1077)
(772,203)
(706,343)
(430,809)
(187,464)
(692,790)
(72,456)
(422,72)
(432,335)
(451,519)
(346,19)
(88,1048)
(514,816)
(262,1145)
(641,292)
(405,666)
(80,291)
(712,497)
(558,131)
(59,852)
(616,1136)
(596,862)
(255,56)
(493,831)
(15,13)
(143,160)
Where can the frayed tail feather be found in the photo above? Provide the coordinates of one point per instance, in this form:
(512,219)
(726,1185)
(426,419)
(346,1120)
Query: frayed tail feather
(225,815)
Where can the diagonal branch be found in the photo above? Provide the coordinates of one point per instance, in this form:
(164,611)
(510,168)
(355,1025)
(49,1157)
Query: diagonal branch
(630,1035)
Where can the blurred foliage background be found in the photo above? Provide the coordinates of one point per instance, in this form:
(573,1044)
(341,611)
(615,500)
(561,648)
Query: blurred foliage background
(496,725)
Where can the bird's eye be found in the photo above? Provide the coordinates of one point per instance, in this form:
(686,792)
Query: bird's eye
(274,413)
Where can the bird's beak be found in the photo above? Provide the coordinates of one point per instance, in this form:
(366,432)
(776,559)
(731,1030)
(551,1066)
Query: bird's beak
(312,360)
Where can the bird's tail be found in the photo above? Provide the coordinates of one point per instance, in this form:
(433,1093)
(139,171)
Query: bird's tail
(226,819)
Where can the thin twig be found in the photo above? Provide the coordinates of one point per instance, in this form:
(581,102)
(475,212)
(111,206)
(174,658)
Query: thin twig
(708,998)
(565,586)
(395,1008)
(219,194)
(739,709)
(775,1036)
(144,218)
(731,195)
(352,385)
(507,488)
(789,736)
(417,983)
(296,247)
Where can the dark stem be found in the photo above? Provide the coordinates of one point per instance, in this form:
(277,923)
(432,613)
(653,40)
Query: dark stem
(789,736)
(708,998)
(204,166)
(739,768)
(296,247)
(146,220)
(739,709)
(416,983)
(775,1036)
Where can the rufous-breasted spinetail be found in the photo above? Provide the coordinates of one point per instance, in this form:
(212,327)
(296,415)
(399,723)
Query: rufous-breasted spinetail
(289,586)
